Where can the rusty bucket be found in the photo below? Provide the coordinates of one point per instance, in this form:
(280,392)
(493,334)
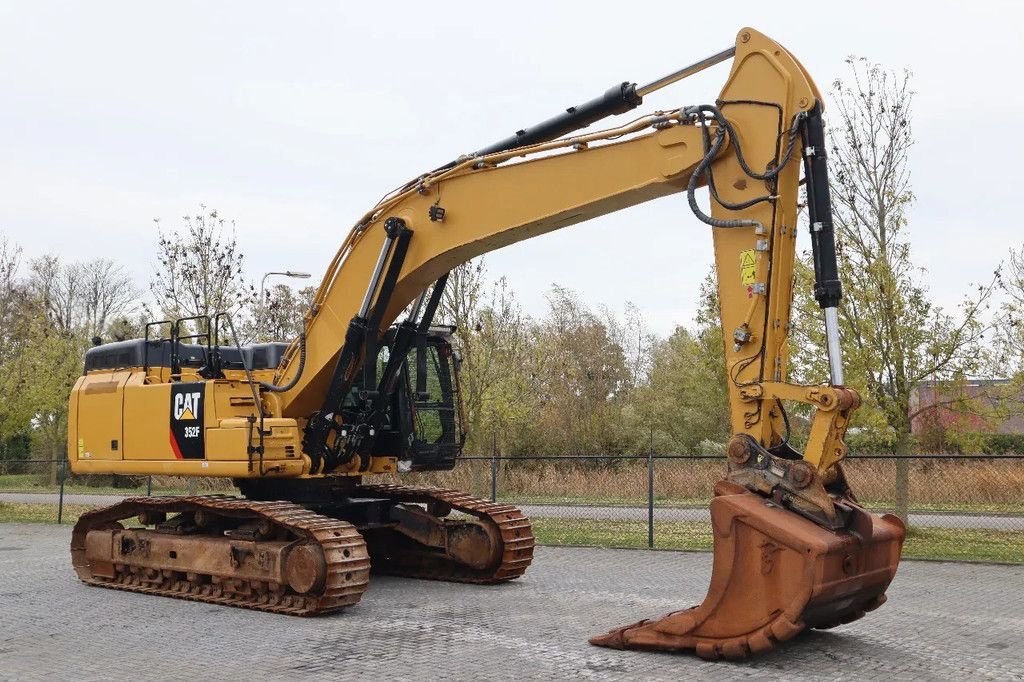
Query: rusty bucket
(774,574)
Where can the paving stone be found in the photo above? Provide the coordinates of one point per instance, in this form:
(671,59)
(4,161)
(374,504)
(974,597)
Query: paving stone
(943,621)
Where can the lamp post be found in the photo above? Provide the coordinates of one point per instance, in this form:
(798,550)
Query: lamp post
(263,282)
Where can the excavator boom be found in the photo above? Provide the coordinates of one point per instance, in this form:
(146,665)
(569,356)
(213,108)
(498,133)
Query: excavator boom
(793,548)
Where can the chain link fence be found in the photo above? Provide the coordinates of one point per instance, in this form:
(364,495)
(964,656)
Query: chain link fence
(961,507)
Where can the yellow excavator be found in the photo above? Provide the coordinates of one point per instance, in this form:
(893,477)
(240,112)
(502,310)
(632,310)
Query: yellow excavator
(297,426)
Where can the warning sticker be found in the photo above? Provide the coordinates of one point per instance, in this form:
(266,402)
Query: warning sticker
(748,267)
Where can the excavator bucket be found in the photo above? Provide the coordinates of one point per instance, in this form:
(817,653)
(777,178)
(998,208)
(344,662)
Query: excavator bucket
(774,574)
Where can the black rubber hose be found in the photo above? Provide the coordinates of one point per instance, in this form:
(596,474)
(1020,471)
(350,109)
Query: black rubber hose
(701,169)
(769,173)
(273,388)
(743,205)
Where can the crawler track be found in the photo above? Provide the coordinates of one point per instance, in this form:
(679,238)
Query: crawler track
(510,524)
(344,555)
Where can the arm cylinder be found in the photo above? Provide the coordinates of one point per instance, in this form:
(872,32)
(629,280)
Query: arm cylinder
(828,290)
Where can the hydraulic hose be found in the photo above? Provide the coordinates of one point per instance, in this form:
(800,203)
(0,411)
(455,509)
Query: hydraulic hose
(273,388)
(703,168)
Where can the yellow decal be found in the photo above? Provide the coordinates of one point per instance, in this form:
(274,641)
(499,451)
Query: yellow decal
(81,447)
(748,267)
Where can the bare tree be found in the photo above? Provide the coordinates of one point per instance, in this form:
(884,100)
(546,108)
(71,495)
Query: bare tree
(200,268)
(281,316)
(56,286)
(108,296)
(82,298)
(11,293)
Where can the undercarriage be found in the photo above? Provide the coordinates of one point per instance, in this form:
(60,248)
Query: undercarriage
(304,556)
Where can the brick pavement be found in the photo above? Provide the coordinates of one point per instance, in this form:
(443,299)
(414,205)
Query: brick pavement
(943,622)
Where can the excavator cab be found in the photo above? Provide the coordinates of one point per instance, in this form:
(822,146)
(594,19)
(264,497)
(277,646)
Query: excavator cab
(423,426)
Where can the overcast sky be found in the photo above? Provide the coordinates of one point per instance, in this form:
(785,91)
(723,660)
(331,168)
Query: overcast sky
(293,119)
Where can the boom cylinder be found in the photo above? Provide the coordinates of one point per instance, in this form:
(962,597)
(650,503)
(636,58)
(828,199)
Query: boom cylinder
(390,234)
(616,100)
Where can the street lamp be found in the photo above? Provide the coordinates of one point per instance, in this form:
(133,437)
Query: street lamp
(286,273)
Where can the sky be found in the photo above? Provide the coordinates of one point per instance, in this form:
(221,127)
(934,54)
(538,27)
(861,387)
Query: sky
(292,119)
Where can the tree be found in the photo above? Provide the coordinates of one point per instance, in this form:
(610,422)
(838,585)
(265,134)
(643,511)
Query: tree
(51,369)
(47,320)
(894,338)
(492,339)
(281,316)
(582,378)
(1011,323)
(44,340)
(109,296)
(82,298)
(17,310)
(11,296)
(687,398)
(200,269)
(685,401)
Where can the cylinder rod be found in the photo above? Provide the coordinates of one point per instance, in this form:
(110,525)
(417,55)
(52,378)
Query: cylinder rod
(371,289)
(686,71)
(616,100)
(835,353)
(415,312)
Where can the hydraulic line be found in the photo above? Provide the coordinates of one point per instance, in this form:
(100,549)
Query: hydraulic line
(274,388)
(703,168)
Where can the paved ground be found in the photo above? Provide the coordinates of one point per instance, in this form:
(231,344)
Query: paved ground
(942,622)
(555,511)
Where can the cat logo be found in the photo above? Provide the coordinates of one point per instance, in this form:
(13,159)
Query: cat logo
(186,405)
(187,432)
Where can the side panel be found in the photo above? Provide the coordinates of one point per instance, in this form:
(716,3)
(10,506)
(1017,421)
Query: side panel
(99,416)
(147,414)
(73,452)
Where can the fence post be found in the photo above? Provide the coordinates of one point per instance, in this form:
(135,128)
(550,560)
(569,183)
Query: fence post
(650,493)
(494,467)
(149,486)
(60,499)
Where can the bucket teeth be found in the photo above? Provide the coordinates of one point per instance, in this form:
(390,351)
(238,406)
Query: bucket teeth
(774,574)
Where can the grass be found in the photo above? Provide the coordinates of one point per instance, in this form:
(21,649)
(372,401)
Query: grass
(604,501)
(24,512)
(952,507)
(162,485)
(965,544)
(952,544)
(701,503)
(968,486)
(605,533)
